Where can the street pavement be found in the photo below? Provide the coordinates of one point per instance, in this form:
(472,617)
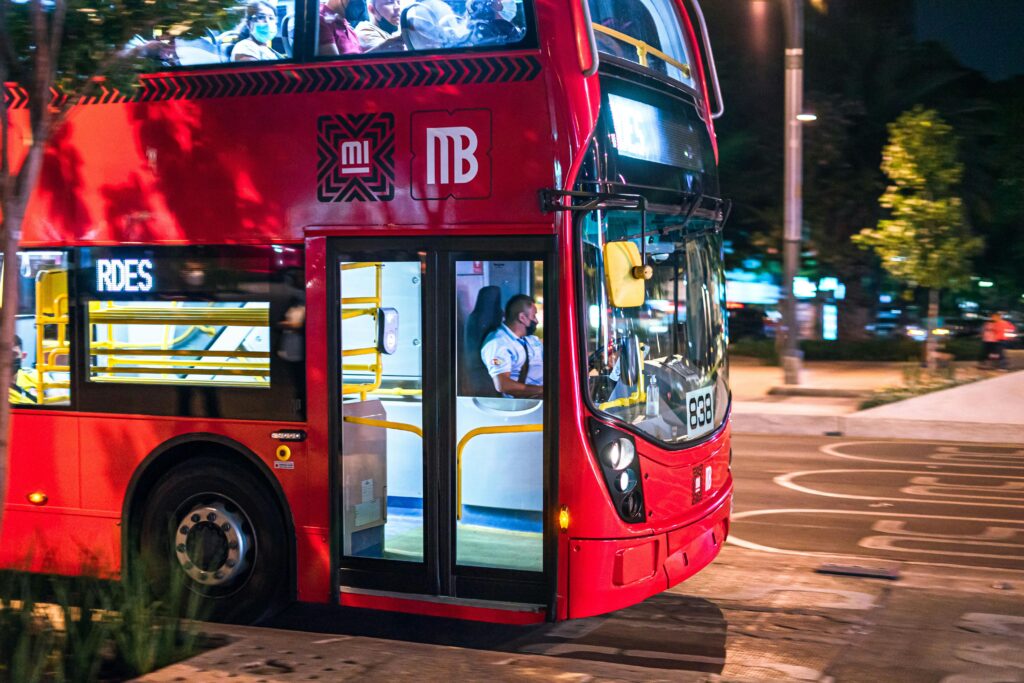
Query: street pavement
(827,403)
(848,560)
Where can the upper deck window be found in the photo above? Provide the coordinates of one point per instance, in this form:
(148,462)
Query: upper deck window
(351,27)
(254,31)
(647,32)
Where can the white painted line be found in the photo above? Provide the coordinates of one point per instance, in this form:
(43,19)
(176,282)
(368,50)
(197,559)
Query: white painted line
(898,527)
(739,542)
(889,543)
(785,480)
(865,513)
(833,450)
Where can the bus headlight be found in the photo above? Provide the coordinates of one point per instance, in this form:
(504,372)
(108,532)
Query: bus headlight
(615,452)
(619,454)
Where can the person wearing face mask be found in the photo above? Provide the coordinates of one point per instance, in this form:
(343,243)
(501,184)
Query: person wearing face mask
(490,22)
(514,356)
(336,37)
(382,26)
(259,29)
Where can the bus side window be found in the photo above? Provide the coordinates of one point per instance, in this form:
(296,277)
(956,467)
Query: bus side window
(351,27)
(41,354)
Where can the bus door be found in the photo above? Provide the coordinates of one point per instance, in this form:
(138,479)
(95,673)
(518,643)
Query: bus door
(443,475)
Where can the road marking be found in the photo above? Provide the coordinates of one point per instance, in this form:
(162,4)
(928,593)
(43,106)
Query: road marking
(899,527)
(785,481)
(750,545)
(889,543)
(833,450)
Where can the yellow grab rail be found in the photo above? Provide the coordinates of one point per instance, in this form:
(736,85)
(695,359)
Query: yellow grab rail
(132,351)
(643,49)
(384,424)
(472,434)
(253,317)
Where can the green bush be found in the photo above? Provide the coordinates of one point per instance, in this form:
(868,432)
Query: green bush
(764,349)
(84,629)
(963,349)
(866,350)
(898,350)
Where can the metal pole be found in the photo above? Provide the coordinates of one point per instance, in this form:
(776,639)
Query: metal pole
(792,190)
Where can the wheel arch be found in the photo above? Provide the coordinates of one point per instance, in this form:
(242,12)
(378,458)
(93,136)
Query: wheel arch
(179,450)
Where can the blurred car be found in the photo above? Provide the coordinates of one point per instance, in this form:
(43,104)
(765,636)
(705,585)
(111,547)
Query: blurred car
(749,322)
(961,328)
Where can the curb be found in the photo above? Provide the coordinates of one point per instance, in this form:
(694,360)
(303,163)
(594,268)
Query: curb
(819,392)
(852,425)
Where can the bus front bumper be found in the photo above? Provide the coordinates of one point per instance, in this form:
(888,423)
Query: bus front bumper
(606,575)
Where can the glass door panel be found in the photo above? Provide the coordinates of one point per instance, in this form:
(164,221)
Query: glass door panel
(381,361)
(499,461)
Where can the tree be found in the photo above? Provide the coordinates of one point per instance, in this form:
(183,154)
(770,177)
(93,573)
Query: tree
(926,240)
(37,64)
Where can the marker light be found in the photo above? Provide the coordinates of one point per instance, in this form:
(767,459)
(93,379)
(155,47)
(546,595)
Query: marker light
(563,518)
(626,481)
(37,498)
(619,454)
(806,117)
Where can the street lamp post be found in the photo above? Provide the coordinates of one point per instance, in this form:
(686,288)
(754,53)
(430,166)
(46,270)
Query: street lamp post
(793,183)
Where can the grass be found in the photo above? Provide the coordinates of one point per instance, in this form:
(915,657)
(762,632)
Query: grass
(918,381)
(84,629)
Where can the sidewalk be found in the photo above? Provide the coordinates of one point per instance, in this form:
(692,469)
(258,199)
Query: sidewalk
(268,655)
(829,395)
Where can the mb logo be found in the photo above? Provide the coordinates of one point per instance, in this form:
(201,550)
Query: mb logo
(451,154)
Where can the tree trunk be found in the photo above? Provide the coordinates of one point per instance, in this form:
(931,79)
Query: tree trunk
(7,320)
(931,343)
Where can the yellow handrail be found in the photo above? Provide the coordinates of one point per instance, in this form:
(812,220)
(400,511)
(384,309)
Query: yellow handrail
(205,370)
(131,351)
(384,424)
(472,434)
(253,317)
(375,301)
(642,48)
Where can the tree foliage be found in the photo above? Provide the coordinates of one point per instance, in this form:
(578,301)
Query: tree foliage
(926,240)
(55,52)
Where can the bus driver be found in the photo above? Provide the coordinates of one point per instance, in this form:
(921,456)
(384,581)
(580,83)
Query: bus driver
(514,356)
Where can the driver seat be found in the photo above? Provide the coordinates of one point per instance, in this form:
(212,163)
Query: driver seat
(486,317)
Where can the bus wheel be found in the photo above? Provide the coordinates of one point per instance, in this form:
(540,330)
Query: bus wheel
(217,530)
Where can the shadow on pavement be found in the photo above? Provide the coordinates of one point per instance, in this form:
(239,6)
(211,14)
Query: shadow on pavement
(666,631)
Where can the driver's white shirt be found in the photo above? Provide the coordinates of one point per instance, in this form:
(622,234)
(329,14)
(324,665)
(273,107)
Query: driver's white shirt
(503,352)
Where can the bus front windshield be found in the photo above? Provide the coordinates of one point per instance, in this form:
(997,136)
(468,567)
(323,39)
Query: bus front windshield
(661,367)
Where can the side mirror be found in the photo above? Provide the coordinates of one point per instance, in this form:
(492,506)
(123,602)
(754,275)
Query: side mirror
(625,274)
(387,330)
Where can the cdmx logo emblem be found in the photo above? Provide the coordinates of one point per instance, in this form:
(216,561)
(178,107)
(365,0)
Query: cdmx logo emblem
(356,158)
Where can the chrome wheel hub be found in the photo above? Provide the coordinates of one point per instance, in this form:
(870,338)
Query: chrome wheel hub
(211,544)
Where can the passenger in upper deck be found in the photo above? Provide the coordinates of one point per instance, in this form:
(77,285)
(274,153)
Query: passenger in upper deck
(257,31)
(490,24)
(337,37)
(432,24)
(380,32)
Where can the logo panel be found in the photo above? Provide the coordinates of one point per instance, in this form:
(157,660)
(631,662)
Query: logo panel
(451,154)
(356,158)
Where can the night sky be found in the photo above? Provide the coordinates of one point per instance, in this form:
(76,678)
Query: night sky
(982,34)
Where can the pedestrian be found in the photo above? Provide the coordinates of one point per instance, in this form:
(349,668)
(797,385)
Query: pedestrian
(994,335)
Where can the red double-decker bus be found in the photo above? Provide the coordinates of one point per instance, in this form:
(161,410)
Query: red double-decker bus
(430,324)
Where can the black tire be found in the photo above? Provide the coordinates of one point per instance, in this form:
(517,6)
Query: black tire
(257,584)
